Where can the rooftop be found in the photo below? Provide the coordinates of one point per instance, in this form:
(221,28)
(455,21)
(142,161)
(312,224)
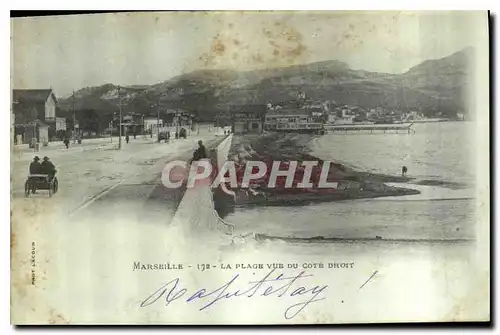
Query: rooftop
(33,95)
(288,112)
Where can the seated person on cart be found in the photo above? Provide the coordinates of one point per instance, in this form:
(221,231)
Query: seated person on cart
(35,166)
(48,168)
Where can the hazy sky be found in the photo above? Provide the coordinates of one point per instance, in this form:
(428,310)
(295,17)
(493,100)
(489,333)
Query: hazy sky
(71,52)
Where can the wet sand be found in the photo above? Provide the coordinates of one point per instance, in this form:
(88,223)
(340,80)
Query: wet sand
(287,147)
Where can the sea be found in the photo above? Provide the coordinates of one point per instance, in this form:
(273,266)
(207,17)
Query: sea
(439,158)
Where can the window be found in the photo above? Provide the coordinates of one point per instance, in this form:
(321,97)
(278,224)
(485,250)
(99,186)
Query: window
(255,125)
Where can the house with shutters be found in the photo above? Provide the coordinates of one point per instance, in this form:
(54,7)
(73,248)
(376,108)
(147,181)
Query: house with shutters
(35,116)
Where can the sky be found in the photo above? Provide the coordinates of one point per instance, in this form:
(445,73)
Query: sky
(71,52)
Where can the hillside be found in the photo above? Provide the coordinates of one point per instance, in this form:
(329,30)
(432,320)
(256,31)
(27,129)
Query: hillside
(434,87)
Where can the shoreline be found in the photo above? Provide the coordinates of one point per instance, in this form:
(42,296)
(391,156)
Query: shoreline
(270,147)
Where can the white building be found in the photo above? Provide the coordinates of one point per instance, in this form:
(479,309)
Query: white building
(150,123)
(331,118)
(411,116)
(35,104)
(60,123)
(349,119)
(291,120)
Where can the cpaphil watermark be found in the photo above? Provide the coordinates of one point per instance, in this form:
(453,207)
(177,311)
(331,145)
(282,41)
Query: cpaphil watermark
(289,174)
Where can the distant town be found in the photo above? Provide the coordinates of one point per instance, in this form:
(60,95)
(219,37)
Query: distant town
(36,119)
(307,115)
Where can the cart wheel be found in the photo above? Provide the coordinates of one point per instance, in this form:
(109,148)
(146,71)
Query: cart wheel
(27,189)
(56,185)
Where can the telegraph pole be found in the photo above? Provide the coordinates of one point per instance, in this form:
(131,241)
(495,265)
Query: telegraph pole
(158,119)
(74,118)
(177,121)
(142,118)
(120,120)
(34,136)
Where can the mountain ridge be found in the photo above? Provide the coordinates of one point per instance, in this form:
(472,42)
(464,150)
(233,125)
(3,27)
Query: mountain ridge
(434,87)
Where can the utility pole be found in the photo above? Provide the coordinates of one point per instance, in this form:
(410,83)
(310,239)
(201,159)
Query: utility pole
(158,119)
(74,118)
(34,135)
(177,122)
(120,120)
(142,117)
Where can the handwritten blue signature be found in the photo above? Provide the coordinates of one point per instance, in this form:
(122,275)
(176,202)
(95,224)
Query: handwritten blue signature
(282,288)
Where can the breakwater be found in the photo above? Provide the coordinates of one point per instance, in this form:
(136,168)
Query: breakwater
(196,215)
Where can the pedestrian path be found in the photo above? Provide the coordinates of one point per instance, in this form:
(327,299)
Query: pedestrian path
(23,152)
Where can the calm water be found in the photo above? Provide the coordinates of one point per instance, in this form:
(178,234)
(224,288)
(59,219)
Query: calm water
(436,152)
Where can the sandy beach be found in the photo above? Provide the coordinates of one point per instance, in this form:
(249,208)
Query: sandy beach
(352,184)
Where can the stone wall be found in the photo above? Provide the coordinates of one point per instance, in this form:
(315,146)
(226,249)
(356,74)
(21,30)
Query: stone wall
(196,215)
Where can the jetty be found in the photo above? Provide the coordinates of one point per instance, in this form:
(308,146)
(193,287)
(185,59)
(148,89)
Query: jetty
(398,127)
